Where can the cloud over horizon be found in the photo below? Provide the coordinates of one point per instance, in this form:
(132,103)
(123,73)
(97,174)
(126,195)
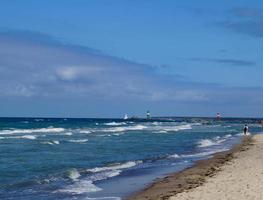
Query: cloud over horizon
(43,66)
(91,58)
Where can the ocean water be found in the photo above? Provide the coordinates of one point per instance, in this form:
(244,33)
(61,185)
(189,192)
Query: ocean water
(104,158)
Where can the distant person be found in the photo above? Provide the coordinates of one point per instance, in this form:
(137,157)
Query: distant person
(245,130)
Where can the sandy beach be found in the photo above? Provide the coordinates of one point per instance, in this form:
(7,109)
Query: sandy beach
(235,174)
(242,178)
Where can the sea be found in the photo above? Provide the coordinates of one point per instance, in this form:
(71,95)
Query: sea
(105,159)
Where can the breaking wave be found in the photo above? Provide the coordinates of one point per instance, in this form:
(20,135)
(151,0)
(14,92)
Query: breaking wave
(115,166)
(79,141)
(86,185)
(124,128)
(115,123)
(28,131)
(206,143)
(80,187)
(29,137)
(73,174)
(54,142)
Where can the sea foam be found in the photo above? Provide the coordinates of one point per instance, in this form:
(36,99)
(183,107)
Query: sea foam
(115,123)
(73,174)
(124,128)
(115,166)
(39,130)
(206,143)
(79,141)
(80,187)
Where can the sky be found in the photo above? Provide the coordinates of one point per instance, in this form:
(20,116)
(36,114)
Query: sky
(107,58)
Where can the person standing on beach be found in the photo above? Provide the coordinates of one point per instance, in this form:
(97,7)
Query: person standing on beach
(245,129)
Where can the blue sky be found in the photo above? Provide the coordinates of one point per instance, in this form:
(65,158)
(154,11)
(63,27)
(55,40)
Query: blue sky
(105,58)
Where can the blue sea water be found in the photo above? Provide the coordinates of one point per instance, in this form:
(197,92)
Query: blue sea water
(51,158)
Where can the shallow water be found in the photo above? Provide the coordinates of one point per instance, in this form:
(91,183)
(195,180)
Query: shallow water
(104,158)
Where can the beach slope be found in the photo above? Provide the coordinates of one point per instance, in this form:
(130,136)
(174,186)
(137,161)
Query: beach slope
(240,179)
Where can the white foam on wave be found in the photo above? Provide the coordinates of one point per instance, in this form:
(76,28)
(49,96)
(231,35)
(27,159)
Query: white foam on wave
(117,166)
(39,130)
(80,187)
(68,133)
(124,128)
(228,136)
(98,173)
(242,134)
(162,131)
(73,174)
(54,142)
(85,131)
(206,143)
(29,137)
(79,141)
(205,153)
(156,123)
(174,156)
(215,141)
(115,123)
(172,128)
(199,154)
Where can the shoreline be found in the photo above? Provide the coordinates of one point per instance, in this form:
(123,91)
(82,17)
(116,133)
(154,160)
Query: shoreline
(191,177)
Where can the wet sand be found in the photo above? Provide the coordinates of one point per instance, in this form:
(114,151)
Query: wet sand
(216,178)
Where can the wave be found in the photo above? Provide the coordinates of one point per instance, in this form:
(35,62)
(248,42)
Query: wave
(199,154)
(115,123)
(228,136)
(68,133)
(39,130)
(80,187)
(206,143)
(98,173)
(85,131)
(29,137)
(242,134)
(79,141)
(202,154)
(117,166)
(156,129)
(174,156)
(125,128)
(73,174)
(178,127)
(161,131)
(215,141)
(54,142)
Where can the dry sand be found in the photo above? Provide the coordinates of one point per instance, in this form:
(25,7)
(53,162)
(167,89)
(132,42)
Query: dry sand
(234,174)
(240,179)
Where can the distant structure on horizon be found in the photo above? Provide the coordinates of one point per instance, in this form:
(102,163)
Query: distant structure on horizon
(148,114)
(125,117)
(218,115)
